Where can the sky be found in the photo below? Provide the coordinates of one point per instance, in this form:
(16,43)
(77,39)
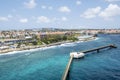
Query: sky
(67,14)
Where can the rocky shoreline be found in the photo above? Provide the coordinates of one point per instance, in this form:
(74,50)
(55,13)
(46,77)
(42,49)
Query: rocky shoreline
(42,46)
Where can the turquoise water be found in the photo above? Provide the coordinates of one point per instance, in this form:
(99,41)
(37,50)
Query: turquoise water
(49,64)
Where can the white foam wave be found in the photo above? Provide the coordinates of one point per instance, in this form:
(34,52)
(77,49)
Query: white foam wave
(97,38)
(27,54)
(67,44)
(44,48)
(79,41)
(30,50)
(9,53)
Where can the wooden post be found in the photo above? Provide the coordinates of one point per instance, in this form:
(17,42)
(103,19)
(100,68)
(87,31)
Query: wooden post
(67,68)
(97,50)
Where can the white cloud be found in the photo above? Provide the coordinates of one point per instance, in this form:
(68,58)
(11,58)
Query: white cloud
(43,7)
(3,19)
(64,9)
(46,7)
(78,2)
(64,19)
(9,16)
(43,19)
(112,0)
(31,4)
(111,11)
(91,13)
(50,7)
(24,20)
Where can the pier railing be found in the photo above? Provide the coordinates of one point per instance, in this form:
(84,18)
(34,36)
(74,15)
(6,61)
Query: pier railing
(66,72)
(97,49)
(67,68)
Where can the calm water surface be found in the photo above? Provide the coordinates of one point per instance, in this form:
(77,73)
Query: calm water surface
(49,64)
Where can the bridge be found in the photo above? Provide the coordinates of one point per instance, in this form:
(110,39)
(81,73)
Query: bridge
(66,72)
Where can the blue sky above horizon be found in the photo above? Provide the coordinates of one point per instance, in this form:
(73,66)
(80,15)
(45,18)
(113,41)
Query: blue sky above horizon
(29,14)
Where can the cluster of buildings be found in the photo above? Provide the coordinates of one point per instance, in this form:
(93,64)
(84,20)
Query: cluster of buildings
(104,31)
(10,39)
(13,37)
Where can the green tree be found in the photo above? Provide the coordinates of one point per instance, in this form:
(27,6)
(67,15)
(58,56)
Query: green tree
(19,44)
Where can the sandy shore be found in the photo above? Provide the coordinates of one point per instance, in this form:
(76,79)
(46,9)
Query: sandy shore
(40,46)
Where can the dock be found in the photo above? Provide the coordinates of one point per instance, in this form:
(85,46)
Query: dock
(66,72)
(98,49)
(67,68)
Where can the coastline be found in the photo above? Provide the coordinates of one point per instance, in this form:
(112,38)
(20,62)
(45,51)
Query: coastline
(41,47)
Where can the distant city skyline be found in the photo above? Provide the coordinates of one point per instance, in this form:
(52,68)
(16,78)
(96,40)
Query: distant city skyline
(65,14)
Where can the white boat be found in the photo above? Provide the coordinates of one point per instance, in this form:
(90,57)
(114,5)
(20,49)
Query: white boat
(77,54)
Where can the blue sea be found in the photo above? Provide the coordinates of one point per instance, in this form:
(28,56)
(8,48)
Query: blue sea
(50,63)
